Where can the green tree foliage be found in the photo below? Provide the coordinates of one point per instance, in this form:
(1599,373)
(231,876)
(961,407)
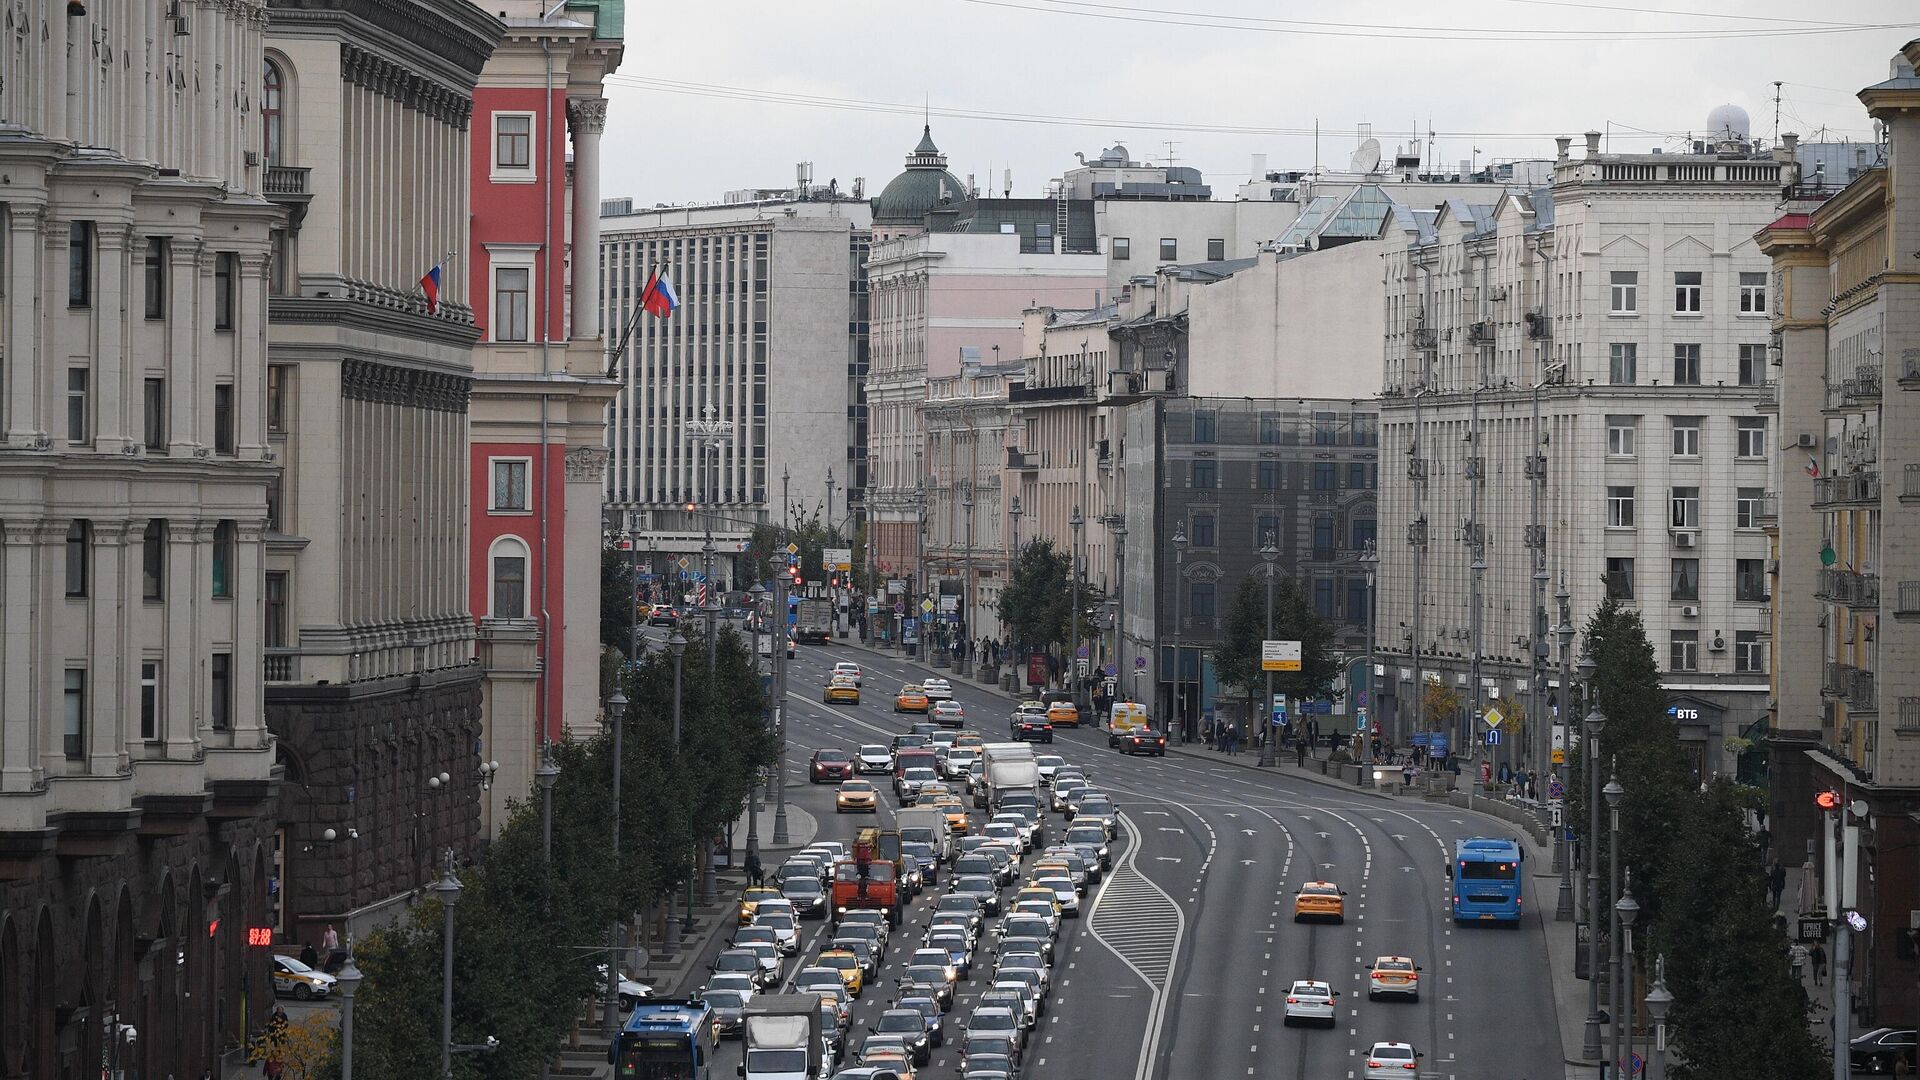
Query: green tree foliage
(524,927)
(1238,658)
(809,533)
(616,598)
(1036,607)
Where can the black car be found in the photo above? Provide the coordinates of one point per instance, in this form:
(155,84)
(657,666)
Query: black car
(663,615)
(1876,1051)
(1143,741)
(1032,727)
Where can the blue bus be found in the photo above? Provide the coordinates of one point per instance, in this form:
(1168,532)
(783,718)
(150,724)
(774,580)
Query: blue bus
(665,1039)
(1486,875)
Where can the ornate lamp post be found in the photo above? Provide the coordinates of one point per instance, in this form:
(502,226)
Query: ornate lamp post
(1659,1001)
(448,889)
(1613,792)
(1073,641)
(346,982)
(1269,551)
(1595,723)
(1369,558)
(1179,586)
(710,434)
(616,715)
(1014,512)
(758,593)
(1627,909)
(1562,856)
(546,776)
(1121,665)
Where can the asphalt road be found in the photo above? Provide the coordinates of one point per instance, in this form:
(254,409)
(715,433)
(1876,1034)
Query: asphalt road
(1180,965)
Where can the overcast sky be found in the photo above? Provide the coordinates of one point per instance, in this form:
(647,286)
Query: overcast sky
(1144,72)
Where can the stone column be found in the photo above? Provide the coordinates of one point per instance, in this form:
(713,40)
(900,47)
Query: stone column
(249,702)
(250,338)
(110,328)
(183,351)
(114,725)
(587,117)
(183,672)
(23,322)
(22,729)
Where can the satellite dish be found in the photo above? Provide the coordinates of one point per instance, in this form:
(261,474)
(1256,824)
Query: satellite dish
(1367,158)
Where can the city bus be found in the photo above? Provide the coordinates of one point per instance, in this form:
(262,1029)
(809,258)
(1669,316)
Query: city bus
(1485,873)
(665,1039)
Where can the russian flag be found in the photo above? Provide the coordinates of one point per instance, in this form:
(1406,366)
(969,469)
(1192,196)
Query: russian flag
(430,285)
(658,298)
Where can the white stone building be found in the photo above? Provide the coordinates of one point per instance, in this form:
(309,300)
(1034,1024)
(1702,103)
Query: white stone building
(1633,292)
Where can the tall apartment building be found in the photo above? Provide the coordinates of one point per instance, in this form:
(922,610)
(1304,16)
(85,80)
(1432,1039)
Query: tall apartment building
(1846,715)
(1631,293)
(372,685)
(538,405)
(137,773)
(771,335)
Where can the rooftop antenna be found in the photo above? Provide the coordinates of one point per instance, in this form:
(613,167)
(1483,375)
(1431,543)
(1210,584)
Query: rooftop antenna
(1170,158)
(1316,144)
(1776,112)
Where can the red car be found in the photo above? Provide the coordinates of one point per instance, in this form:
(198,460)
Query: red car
(830,765)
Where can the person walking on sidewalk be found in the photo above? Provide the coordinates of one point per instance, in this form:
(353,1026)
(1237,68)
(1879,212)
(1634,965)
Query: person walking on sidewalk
(1797,960)
(1819,956)
(755,875)
(1776,884)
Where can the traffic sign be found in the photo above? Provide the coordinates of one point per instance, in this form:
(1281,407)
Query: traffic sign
(1494,717)
(1279,710)
(793,549)
(1555,789)
(684,562)
(1493,737)
(1279,656)
(836,560)
(926,607)
(899,607)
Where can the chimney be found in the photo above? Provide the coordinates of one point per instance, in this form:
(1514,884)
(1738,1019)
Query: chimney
(1562,142)
(1259,166)
(1789,142)
(1593,144)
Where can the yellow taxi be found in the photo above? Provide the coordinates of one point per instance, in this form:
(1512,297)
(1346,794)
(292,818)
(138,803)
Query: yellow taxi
(1063,714)
(1394,976)
(1038,892)
(911,698)
(841,688)
(957,821)
(750,901)
(848,965)
(856,796)
(1320,900)
(969,738)
(934,789)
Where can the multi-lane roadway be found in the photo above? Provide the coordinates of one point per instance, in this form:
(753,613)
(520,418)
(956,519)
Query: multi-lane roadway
(1181,963)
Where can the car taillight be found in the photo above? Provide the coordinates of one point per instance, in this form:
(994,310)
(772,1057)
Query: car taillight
(1408,1065)
(1293,1001)
(1373,1064)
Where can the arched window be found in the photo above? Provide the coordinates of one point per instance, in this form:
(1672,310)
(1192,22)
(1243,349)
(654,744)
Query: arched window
(271,85)
(507,572)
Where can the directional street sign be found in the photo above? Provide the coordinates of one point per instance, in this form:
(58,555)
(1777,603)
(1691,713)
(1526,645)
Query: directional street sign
(1279,656)
(1494,717)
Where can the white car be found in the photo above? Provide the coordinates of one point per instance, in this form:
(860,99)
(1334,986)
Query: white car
(1064,888)
(958,760)
(1048,765)
(778,916)
(632,991)
(937,689)
(1311,1002)
(948,711)
(849,669)
(729,980)
(1391,1061)
(296,980)
(873,758)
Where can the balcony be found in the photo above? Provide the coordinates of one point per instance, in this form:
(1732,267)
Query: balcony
(1834,684)
(1860,691)
(1025,461)
(1863,388)
(281,665)
(286,185)
(1848,588)
(1906,600)
(1910,483)
(1853,489)
(1907,720)
(1909,372)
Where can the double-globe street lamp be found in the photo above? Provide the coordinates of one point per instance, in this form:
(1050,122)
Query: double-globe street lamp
(1268,553)
(1659,1001)
(1626,909)
(1595,722)
(1179,586)
(1073,645)
(616,718)
(758,593)
(345,984)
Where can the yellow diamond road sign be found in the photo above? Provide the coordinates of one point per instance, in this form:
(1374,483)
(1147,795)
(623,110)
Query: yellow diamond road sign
(1494,716)
(793,549)
(926,606)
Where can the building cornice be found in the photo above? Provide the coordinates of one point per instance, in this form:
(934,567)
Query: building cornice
(356,313)
(450,38)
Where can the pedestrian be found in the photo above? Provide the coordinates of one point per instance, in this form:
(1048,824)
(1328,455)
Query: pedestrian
(1797,960)
(1776,884)
(755,876)
(1409,772)
(1300,752)
(310,956)
(330,940)
(1765,836)
(1818,954)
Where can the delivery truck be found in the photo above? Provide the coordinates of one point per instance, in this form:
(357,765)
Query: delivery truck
(782,1037)
(1006,767)
(813,621)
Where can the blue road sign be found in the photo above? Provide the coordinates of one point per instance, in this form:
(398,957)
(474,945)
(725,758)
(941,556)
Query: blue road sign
(1493,737)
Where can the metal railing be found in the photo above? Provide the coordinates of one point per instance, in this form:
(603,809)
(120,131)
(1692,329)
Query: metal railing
(1853,488)
(1860,692)
(1910,482)
(1835,680)
(1907,719)
(1906,600)
(1849,588)
(1768,512)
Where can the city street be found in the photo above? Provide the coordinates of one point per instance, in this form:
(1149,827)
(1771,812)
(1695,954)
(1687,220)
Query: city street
(1187,947)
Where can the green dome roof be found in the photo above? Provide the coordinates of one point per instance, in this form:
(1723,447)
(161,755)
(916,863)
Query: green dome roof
(908,197)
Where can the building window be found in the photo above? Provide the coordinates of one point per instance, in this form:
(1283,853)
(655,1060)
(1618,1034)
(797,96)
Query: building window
(1323,598)
(1269,476)
(1269,429)
(1267,529)
(226,268)
(1623,363)
(1216,250)
(281,261)
(1323,536)
(1686,292)
(1203,425)
(1626,292)
(1042,237)
(274,629)
(1753,365)
(1357,599)
(1169,249)
(223,560)
(1203,530)
(1685,584)
(153,559)
(1750,579)
(1750,436)
(513,142)
(1746,507)
(1620,578)
(1365,532)
(155,296)
(1357,476)
(279,384)
(73,728)
(272,116)
(1753,293)
(79,264)
(1324,424)
(223,418)
(220,700)
(1122,249)
(1620,435)
(510,584)
(1206,474)
(1201,595)
(1323,476)
(1620,508)
(79,555)
(1684,507)
(1749,652)
(149,700)
(511,285)
(510,484)
(153,401)
(78,410)
(273,505)
(1686,365)
(1683,650)
(1686,436)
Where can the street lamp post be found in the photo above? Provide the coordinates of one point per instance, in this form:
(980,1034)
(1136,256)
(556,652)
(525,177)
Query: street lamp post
(1369,558)
(1121,665)
(1014,512)
(779,704)
(346,982)
(1073,642)
(1562,856)
(710,434)
(1596,721)
(1659,1000)
(546,776)
(633,560)
(1179,579)
(758,592)
(1613,792)
(1626,909)
(449,892)
(964,666)
(617,714)
(1269,551)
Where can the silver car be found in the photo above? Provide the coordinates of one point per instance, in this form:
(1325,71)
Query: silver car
(1311,1002)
